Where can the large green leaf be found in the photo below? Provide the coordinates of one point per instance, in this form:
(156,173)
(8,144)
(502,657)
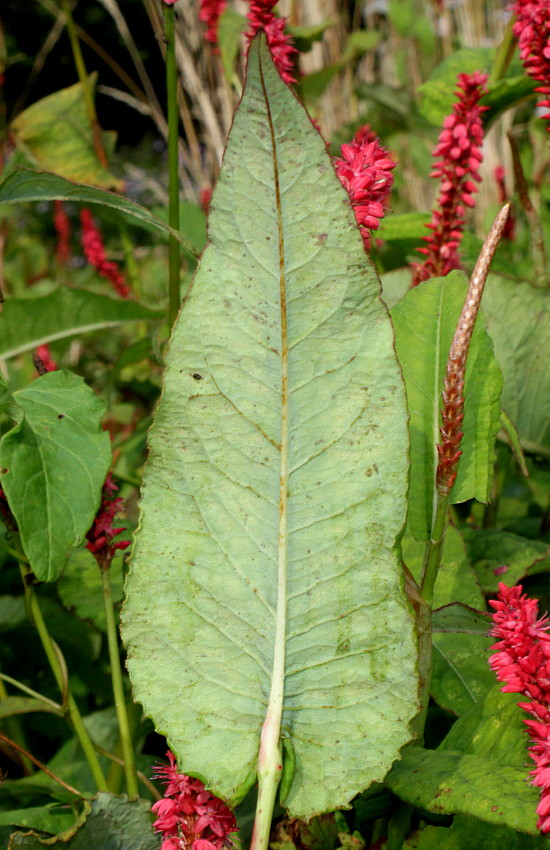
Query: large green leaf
(53,464)
(425,321)
(107,823)
(518,319)
(55,134)
(277,477)
(26,185)
(467,833)
(502,556)
(449,782)
(26,323)
(479,769)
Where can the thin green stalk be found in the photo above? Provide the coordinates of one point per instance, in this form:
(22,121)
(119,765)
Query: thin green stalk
(118,690)
(173,164)
(434,546)
(15,730)
(52,654)
(85,83)
(399,825)
(503,55)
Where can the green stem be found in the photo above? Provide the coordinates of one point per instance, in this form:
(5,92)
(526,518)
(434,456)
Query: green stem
(173,169)
(118,690)
(15,730)
(57,669)
(85,83)
(503,56)
(434,546)
(399,825)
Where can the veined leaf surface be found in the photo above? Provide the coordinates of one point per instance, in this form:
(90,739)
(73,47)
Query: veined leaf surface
(276,484)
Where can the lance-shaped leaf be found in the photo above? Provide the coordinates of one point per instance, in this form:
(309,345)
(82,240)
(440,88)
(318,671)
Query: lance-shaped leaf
(26,323)
(53,464)
(276,483)
(425,321)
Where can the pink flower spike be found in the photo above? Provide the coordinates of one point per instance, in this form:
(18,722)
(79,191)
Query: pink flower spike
(519,662)
(190,817)
(101,534)
(94,251)
(365,173)
(458,156)
(261,17)
(210,13)
(532,30)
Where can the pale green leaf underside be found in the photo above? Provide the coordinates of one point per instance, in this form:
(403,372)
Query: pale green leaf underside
(199,620)
(425,321)
(53,464)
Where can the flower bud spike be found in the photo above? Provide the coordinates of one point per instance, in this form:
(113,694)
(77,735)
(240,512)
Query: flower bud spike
(453,387)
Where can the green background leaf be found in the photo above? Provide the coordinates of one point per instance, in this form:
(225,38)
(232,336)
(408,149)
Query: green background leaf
(203,596)
(56,135)
(438,94)
(26,185)
(425,321)
(479,769)
(53,464)
(113,823)
(26,323)
(518,320)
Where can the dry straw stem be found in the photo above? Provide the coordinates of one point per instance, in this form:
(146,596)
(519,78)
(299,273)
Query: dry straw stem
(453,387)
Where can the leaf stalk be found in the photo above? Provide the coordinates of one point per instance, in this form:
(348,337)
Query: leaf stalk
(53,657)
(118,689)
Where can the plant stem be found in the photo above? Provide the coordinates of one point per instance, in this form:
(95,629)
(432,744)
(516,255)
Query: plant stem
(68,700)
(434,546)
(85,83)
(173,165)
(503,56)
(118,690)
(399,826)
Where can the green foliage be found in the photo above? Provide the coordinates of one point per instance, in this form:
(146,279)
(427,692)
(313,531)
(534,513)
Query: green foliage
(55,134)
(58,446)
(29,322)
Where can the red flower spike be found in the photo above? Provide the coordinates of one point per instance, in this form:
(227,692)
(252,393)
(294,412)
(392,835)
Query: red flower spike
(190,817)
(210,13)
(520,662)
(260,16)
(365,173)
(63,229)
(458,155)
(43,360)
(94,251)
(101,534)
(532,30)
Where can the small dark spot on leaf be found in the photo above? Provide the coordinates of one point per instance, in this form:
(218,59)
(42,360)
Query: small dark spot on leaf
(196,376)
(3,471)
(321,238)
(61,416)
